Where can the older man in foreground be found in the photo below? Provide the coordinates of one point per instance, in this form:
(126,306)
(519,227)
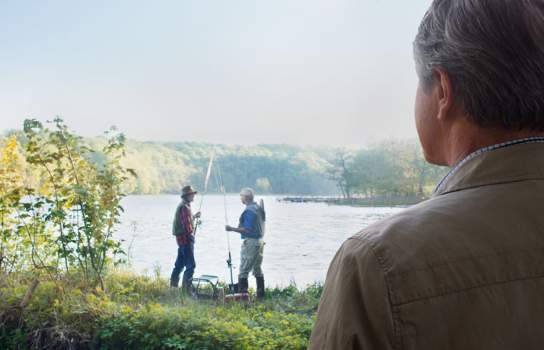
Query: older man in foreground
(465,269)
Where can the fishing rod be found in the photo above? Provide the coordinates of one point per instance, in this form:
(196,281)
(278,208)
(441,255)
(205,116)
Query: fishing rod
(221,185)
(206,179)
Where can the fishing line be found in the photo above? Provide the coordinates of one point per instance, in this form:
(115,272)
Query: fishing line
(221,185)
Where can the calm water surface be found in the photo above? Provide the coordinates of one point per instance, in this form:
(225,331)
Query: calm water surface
(301,238)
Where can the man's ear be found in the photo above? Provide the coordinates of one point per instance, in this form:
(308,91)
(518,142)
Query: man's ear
(443,92)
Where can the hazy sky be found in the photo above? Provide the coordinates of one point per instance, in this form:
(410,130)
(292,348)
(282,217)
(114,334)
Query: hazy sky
(337,72)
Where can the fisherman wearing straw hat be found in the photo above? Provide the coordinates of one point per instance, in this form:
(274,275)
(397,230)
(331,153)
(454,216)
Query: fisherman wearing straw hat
(183,229)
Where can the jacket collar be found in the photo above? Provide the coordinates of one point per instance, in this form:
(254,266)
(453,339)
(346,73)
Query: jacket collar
(512,161)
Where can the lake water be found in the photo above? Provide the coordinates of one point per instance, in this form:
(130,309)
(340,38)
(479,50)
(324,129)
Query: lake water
(301,238)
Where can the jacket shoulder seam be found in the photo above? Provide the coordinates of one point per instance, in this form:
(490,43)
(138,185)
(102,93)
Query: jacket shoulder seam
(395,311)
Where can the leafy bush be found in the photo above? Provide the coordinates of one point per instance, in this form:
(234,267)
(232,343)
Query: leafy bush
(62,218)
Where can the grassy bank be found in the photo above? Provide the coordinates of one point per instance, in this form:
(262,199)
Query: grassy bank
(137,312)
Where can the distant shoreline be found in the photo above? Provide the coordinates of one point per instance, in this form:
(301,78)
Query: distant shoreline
(381,201)
(378,201)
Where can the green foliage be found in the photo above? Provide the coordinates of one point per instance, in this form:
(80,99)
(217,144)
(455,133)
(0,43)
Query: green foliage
(338,171)
(166,167)
(263,185)
(11,192)
(136,312)
(388,169)
(63,215)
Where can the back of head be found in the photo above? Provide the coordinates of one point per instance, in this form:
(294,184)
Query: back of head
(493,51)
(247,193)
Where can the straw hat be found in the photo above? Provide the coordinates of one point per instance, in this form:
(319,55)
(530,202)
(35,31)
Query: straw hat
(187,190)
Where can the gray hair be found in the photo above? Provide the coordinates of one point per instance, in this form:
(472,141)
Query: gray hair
(247,192)
(493,52)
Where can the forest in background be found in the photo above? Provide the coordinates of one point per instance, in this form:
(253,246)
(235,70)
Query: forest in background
(393,168)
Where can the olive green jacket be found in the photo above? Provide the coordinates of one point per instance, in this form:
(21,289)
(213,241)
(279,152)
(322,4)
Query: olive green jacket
(462,270)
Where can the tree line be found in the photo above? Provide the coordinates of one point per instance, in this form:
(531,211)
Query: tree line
(385,169)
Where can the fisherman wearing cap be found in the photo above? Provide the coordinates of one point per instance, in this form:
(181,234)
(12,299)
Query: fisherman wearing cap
(184,230)
(251,227)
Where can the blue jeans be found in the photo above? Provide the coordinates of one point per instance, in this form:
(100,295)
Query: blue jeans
(185,259)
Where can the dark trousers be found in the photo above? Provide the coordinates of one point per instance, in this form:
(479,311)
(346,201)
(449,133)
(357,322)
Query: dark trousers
(185,259)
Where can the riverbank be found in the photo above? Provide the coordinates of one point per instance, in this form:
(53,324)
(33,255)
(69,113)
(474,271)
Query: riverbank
(379,201)
(139,312)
